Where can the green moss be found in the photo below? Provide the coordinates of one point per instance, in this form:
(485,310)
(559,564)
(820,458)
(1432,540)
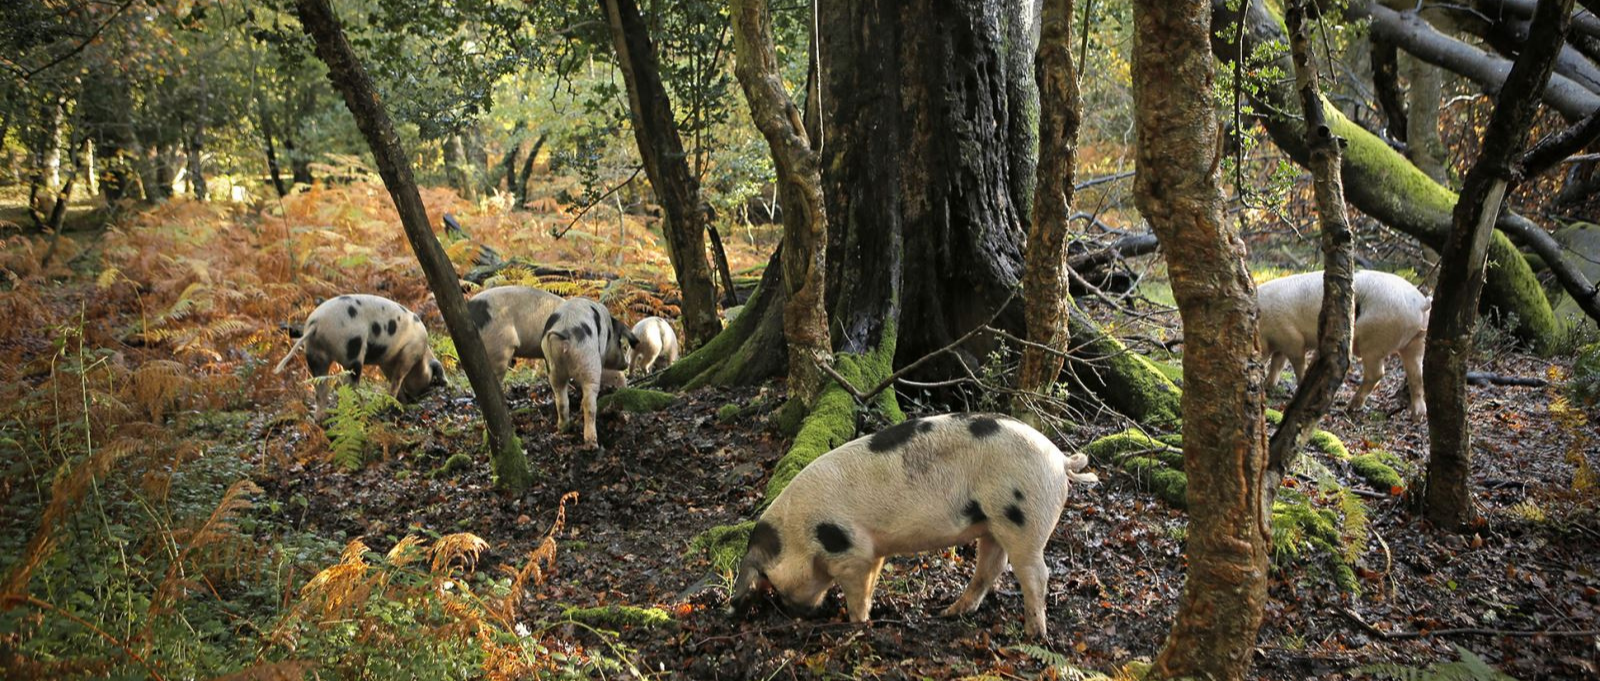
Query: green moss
(1367,151)
(1127,381)
(637,400)
(788,418)
(618,616)
(728,413)
(1112,450)
(1327,443)
(1513,287)
(697,368)
(1171,440)
(457,462)
(832,420)
(1301,530)
(1172,371)
(1274,417)
(1169,484)
(1372,468)
(723,545)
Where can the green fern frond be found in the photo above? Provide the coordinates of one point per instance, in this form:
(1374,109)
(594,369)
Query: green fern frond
(350,423)
(1470,668)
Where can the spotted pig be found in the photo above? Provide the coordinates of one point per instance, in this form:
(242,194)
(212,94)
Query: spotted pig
(356,330)
(922,485)
(581,340)
(511,321)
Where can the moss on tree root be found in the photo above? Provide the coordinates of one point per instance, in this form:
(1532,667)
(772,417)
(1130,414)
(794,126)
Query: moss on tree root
(1125,380)
(637,400)
(831,422)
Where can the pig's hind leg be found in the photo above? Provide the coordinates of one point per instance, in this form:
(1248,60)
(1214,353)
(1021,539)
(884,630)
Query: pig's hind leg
(990,563)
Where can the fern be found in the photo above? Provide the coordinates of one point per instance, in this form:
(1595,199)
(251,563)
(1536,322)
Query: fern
(1057,663)
(1470,668)
(350,424)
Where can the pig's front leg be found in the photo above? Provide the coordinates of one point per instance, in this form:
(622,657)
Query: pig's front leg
(857,576)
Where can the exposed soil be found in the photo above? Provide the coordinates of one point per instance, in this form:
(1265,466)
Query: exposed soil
(1116,558)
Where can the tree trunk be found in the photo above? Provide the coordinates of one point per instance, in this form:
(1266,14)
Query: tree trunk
(508,164)
(521,191)
(350,79)
(1046,277)
(1386,82)
(805,223)
(1336,319)
(719,255)
(1224,439)
(299,163)
(195,149)
(272,157)
(1448,496)
(656,131)
(1423,146)
(1381,183)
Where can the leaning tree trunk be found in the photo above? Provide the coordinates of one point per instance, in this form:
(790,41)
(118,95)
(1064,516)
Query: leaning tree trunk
(924,241)
(1224,439)
(656,131)
(1380,182)
(1046,276)
(805,223)
(1424,147)
(350,79)
(1336,319)
(1448,497)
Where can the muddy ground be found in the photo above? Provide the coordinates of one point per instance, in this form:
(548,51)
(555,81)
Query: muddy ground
(1116,557)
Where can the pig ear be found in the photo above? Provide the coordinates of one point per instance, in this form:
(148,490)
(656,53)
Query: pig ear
(739,600)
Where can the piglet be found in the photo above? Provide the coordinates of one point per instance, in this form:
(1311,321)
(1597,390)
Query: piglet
(658,344)
(581,340)
(1391,317)
(511,321)
(922,485)
(356,330)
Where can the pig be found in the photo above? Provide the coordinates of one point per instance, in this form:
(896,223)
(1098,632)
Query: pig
(580,341)
(657,344)
(511,322)
(922,485)
(1391,317)
(356,330)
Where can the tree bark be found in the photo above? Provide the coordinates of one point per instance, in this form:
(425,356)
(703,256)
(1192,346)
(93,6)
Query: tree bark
(656,132)
(1224,440)
(521,191)
(1448,496)
(350,79)
(1386,82)
(805,223)
(194,149)
(1336,319)
(273,168)
(1046,278)
(1424,147)
(1381,183)
(719,255)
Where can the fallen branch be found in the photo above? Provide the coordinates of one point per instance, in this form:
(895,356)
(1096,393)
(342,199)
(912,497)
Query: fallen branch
(1486,378)
(1461,631)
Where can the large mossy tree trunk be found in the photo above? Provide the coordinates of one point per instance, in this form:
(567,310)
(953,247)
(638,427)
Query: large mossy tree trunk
(924,234)
(1224,439)
(350,79)
(1380,182)
(1448,497)
(656,131)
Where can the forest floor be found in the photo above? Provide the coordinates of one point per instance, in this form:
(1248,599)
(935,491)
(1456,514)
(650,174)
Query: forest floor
(154,342)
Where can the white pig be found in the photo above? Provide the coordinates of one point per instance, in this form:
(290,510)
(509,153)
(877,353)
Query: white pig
(657,344)
(1391,317)
(922,485)
(581,340)
(511,321)
(356,330)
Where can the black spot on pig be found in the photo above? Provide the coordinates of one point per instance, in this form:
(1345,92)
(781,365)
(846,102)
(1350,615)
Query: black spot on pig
(351,310)
(375,352)
(764,538)
(1015,515)
(896,436)
(352,351)
(983,426)
(416,317)
(598,325)
(394,324)
(377,330)
(974,512)
(551,322)
(1016,494)
(477,308)
(833,538)
(581,333)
